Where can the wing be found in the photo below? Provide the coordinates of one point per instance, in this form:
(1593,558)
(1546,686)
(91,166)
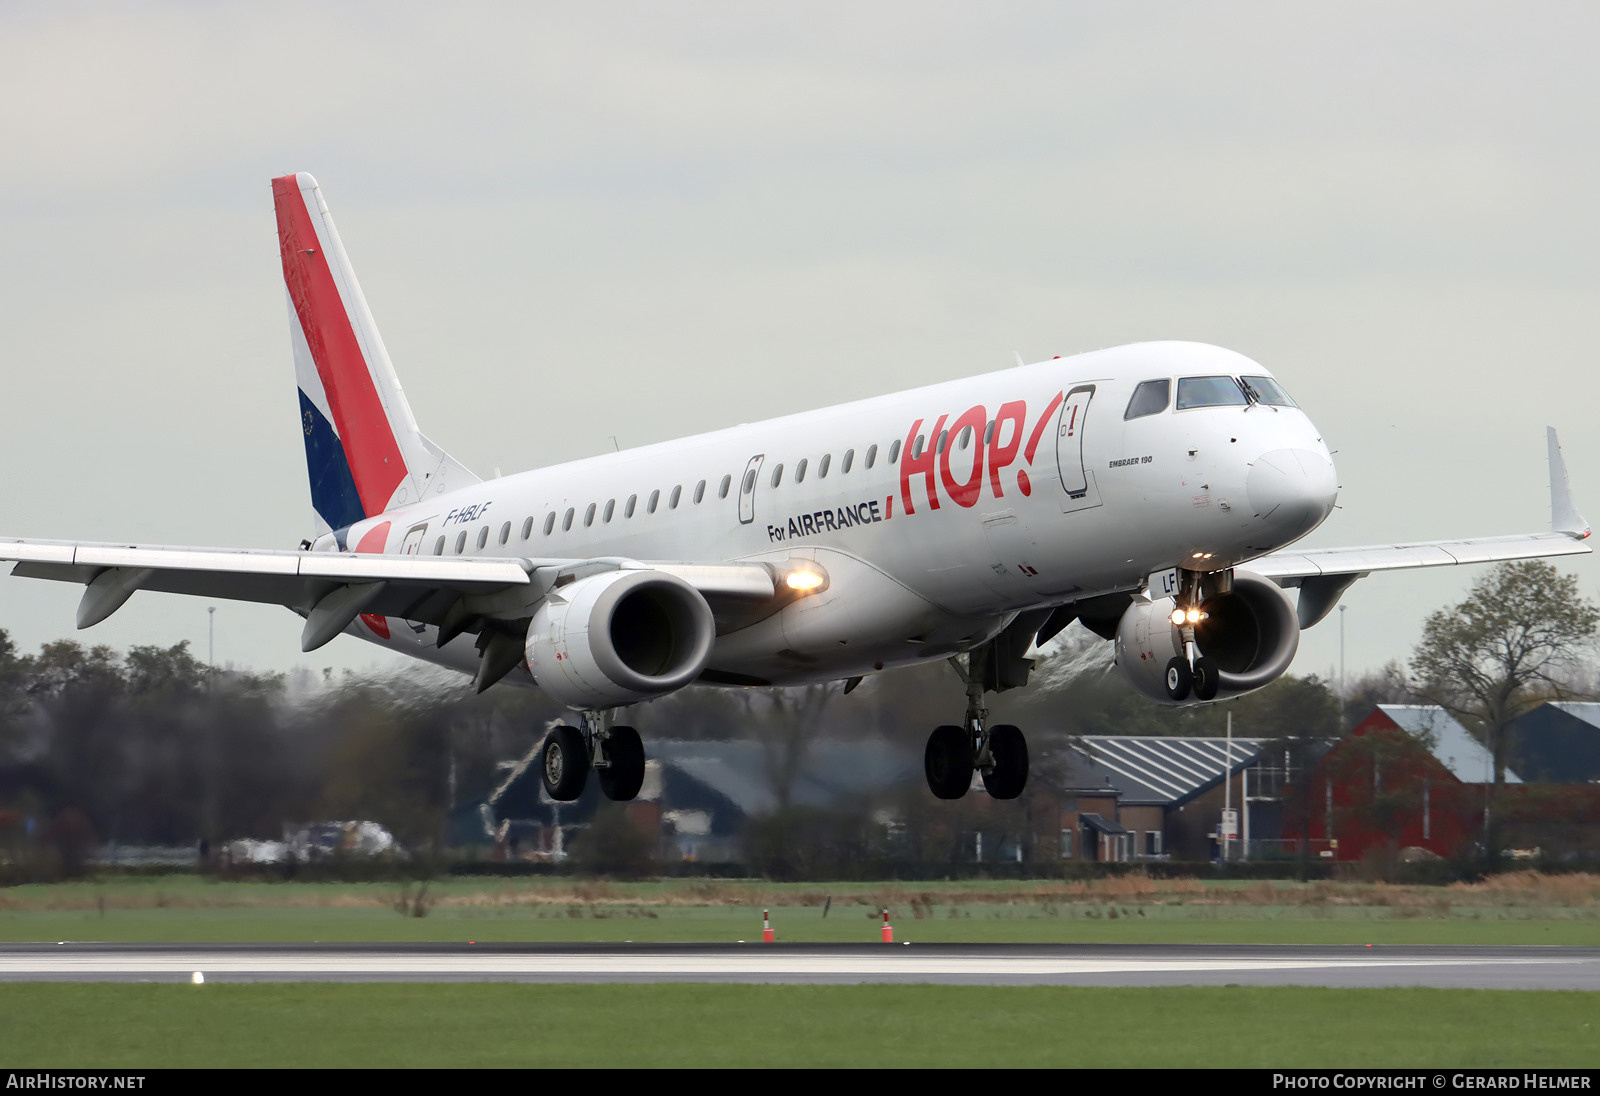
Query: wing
(331,589)
(1323,574)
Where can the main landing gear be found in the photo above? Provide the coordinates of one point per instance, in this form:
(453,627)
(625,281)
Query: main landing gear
(1000,752)
(1192,672)
(615,754)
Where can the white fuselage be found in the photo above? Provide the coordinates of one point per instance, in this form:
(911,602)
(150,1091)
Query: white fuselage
(929,548)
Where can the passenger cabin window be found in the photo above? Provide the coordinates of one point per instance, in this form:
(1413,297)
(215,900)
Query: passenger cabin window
(1268,391)
(505,532)
(677,493)
(872,456)
(527,529)
(438,547)
(566,522)
(611,506)
(822,465)
(944,440)
(777,475)
(965,439)
(750,481)
(655,500)
(1150,398)
(627,511)
(800,471)
(727,482)
(483,537)
(461,542)
(699,492)
(1209,392)
(849,459)
(894,452)
(550,523)
(588,516)
(988,432)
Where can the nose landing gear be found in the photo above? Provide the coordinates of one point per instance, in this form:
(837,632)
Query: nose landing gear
(1192,671)
(614,753)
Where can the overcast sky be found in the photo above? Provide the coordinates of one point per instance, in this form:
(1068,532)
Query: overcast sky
(574,221)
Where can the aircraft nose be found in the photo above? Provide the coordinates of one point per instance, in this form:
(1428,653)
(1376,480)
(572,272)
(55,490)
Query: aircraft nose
(1292,490)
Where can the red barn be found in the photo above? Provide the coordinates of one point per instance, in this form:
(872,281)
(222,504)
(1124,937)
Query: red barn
(1407,775)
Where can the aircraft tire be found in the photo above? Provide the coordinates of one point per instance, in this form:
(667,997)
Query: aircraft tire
(1009,748)
(564,764)
(1205,679)
(947,762)
(622,779)
(1180,679)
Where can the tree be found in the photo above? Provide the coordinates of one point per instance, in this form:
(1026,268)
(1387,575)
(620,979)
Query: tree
(13,688)
(1386,685)
(1511,645)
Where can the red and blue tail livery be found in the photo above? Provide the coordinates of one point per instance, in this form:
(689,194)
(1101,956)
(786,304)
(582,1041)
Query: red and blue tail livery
(364,454)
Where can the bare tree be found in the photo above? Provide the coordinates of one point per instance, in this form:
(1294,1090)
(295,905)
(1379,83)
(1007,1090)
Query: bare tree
(1513,644)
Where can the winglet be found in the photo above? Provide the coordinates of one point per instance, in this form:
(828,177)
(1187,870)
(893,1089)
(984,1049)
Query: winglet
(1564,517)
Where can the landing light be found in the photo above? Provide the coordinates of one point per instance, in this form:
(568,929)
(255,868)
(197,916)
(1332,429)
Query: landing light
(1187,616)
(804,581)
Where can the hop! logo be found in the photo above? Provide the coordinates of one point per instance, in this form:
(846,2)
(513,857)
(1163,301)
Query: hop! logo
(995,452)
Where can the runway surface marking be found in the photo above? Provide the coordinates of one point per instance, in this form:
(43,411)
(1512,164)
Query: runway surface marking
(818,963)
(1457,967)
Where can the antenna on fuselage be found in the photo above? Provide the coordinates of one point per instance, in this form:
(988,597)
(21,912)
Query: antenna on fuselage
(1018,355)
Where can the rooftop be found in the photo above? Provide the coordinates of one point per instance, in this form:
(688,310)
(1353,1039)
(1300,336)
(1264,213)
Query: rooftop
(1452,744)
(1165,770)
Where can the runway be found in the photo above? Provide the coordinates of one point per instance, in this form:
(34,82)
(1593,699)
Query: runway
(962,964)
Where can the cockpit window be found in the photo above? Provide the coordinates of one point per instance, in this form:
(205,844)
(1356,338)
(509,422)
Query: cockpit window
(1209,392)
(1268,391)
(1150,398)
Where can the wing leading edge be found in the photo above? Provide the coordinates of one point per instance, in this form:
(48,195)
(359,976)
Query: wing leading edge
(1323,574)
(331,589)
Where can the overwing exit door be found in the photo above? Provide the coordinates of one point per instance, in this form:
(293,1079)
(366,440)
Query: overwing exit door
(747,489)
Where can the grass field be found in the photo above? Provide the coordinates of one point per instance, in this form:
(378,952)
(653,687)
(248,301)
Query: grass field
(1524,908)
(495,1024)
(388,1025)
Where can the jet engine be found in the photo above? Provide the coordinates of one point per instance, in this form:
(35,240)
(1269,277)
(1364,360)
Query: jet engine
(619,637)
(1250,633)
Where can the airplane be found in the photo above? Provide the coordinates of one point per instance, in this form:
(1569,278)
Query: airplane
(1151,492)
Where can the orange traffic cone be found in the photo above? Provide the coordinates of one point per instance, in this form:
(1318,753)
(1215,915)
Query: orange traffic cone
(888,929)
(767,935)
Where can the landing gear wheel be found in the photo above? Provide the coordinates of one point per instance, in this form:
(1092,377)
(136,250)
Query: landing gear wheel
(1010,752)
(1179,679)
(947,762)
(622,779)
(1205,679)
(564,763)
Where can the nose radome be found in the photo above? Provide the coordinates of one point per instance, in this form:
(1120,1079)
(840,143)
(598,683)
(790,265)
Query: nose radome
(1292,490)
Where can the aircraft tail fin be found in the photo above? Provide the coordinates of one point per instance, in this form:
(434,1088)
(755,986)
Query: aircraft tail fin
(364,453)
(1564,517)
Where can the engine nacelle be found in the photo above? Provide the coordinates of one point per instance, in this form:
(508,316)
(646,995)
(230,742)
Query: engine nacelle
(619,637)
(1251,633)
